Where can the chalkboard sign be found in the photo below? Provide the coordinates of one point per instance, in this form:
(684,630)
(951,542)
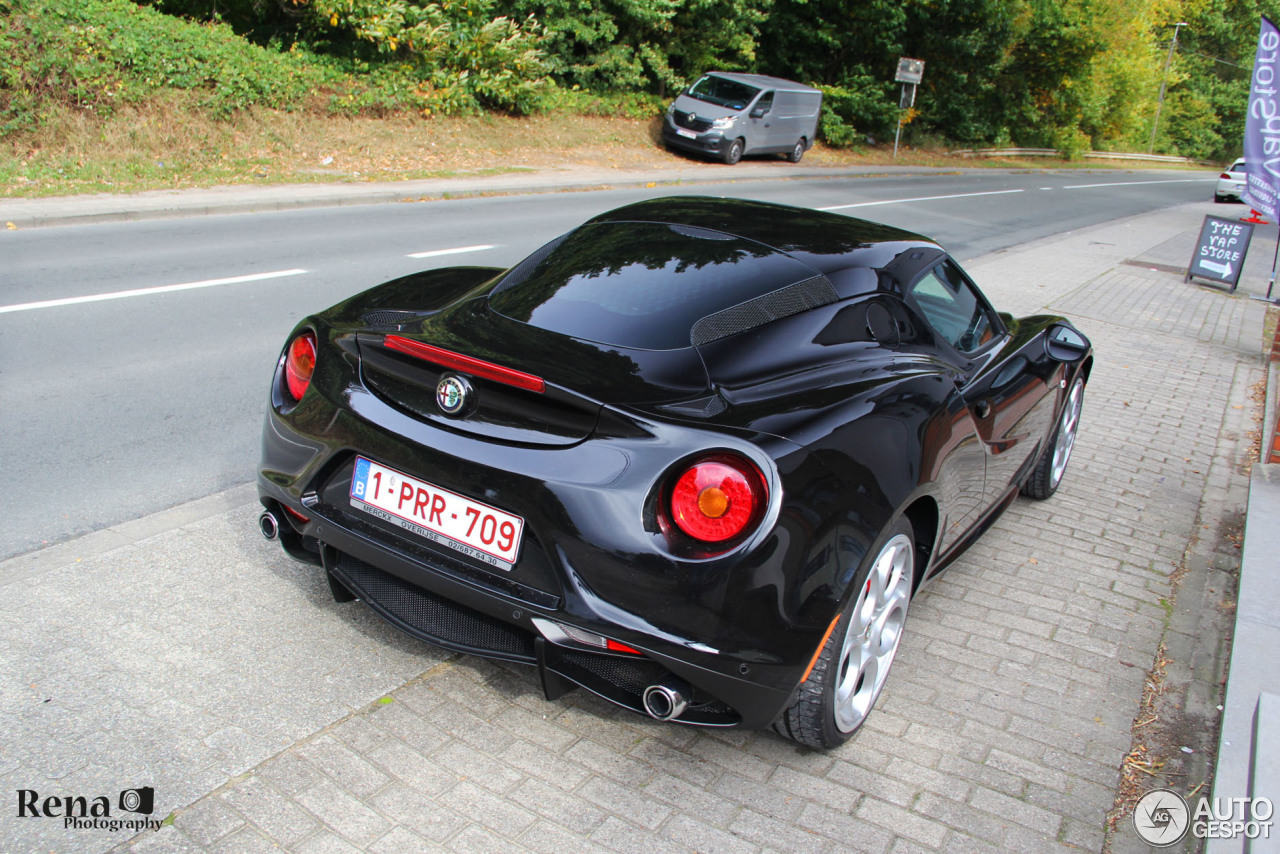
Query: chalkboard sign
(1220,251)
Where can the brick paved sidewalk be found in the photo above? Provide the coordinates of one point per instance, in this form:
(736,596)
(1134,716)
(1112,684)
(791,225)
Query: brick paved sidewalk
(1003,726)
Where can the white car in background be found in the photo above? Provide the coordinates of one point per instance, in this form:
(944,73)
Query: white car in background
(1231,183)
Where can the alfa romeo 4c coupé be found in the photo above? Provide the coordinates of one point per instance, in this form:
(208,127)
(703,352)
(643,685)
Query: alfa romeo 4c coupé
(695,456)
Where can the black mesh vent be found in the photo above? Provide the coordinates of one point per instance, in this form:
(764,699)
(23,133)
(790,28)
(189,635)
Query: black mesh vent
(434,618)
(624,681)
(783,302)
(703,407)
(690,121)
(631,675)
(388,317)
(521,271)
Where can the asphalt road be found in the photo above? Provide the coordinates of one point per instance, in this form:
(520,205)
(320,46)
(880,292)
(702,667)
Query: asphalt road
(116,404)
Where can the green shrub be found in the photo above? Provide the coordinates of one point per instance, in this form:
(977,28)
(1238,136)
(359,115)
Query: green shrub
(95,55)
(631,105)
(851,111)
(465,55)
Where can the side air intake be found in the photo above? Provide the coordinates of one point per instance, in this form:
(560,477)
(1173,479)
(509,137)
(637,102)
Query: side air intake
(775,305)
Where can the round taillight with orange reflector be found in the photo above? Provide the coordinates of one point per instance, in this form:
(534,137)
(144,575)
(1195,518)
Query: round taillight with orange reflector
(716,500)
(299,364)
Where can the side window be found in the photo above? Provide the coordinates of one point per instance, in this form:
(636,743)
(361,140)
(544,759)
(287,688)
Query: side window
(953,308)
(765,104)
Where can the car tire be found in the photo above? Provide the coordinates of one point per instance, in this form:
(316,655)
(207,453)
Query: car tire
(734,154)
(851,669)
(1047,474)
(797,152)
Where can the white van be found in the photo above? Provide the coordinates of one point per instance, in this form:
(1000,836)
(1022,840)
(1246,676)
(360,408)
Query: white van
(727,115)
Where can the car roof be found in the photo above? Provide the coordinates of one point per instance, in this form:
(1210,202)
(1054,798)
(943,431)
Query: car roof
(685,270)
(828,242)
(763,81)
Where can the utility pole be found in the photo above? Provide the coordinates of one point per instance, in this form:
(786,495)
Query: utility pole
(1164,82)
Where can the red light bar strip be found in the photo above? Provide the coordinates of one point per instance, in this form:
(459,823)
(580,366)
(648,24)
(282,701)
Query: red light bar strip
(618,646)
(466,364)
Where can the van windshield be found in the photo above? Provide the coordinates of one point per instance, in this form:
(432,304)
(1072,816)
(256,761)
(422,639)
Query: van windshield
(723,93)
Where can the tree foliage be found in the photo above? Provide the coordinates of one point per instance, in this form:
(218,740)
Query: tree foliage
(658,45)
(1066,74)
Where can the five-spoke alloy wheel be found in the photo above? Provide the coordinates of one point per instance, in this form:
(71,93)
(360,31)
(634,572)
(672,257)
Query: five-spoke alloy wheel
(1052,465)
(851,670)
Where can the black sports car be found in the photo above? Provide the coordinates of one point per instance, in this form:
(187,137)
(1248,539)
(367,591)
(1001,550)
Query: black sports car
(694,456)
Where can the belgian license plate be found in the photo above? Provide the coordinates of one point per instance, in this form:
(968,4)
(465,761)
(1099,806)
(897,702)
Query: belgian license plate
(483,532)
(686,133)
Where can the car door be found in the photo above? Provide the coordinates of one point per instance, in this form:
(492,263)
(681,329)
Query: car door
(1004,378)
(956,455)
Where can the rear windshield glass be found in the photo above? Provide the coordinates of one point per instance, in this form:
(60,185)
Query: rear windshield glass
(723,93)
(641,285)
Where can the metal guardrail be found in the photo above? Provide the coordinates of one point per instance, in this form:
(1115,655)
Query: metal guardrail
(1090,155)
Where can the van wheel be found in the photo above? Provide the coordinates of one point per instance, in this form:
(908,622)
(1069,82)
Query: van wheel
(797,152)
(734,154)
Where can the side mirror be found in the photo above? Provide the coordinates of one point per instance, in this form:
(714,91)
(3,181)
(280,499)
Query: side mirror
(758,113)
(1065,344)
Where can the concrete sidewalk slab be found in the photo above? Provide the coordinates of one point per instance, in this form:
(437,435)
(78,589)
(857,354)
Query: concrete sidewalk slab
(199,661)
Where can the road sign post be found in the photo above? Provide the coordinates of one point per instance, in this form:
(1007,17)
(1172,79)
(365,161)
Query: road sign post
(1220,251)
(910,73)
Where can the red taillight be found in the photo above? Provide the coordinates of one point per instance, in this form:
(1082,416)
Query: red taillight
(1225,175)
(715,500)
(299,363)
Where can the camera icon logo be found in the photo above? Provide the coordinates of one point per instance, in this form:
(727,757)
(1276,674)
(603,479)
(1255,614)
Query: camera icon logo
(140,800)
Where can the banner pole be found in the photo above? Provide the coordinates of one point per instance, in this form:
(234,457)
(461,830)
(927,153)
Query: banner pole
(1274,261)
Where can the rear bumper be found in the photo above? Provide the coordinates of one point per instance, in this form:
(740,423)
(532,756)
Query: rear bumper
(430,601)
(1229,189)
(731,627)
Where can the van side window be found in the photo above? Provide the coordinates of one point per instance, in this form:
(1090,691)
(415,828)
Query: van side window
(765,104)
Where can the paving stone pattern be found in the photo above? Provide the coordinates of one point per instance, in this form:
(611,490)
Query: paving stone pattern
(1002,727)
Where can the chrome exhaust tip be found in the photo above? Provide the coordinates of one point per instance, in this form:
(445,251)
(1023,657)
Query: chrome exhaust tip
(666,700)
(269,525)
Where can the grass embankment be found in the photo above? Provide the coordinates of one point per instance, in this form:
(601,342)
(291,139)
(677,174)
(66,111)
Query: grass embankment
(164,145)
(161,146)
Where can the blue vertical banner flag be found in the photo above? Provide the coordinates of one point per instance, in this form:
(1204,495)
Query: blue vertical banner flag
(1262,127)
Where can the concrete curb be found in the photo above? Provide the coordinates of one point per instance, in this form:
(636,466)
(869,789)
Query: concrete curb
(157,204)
